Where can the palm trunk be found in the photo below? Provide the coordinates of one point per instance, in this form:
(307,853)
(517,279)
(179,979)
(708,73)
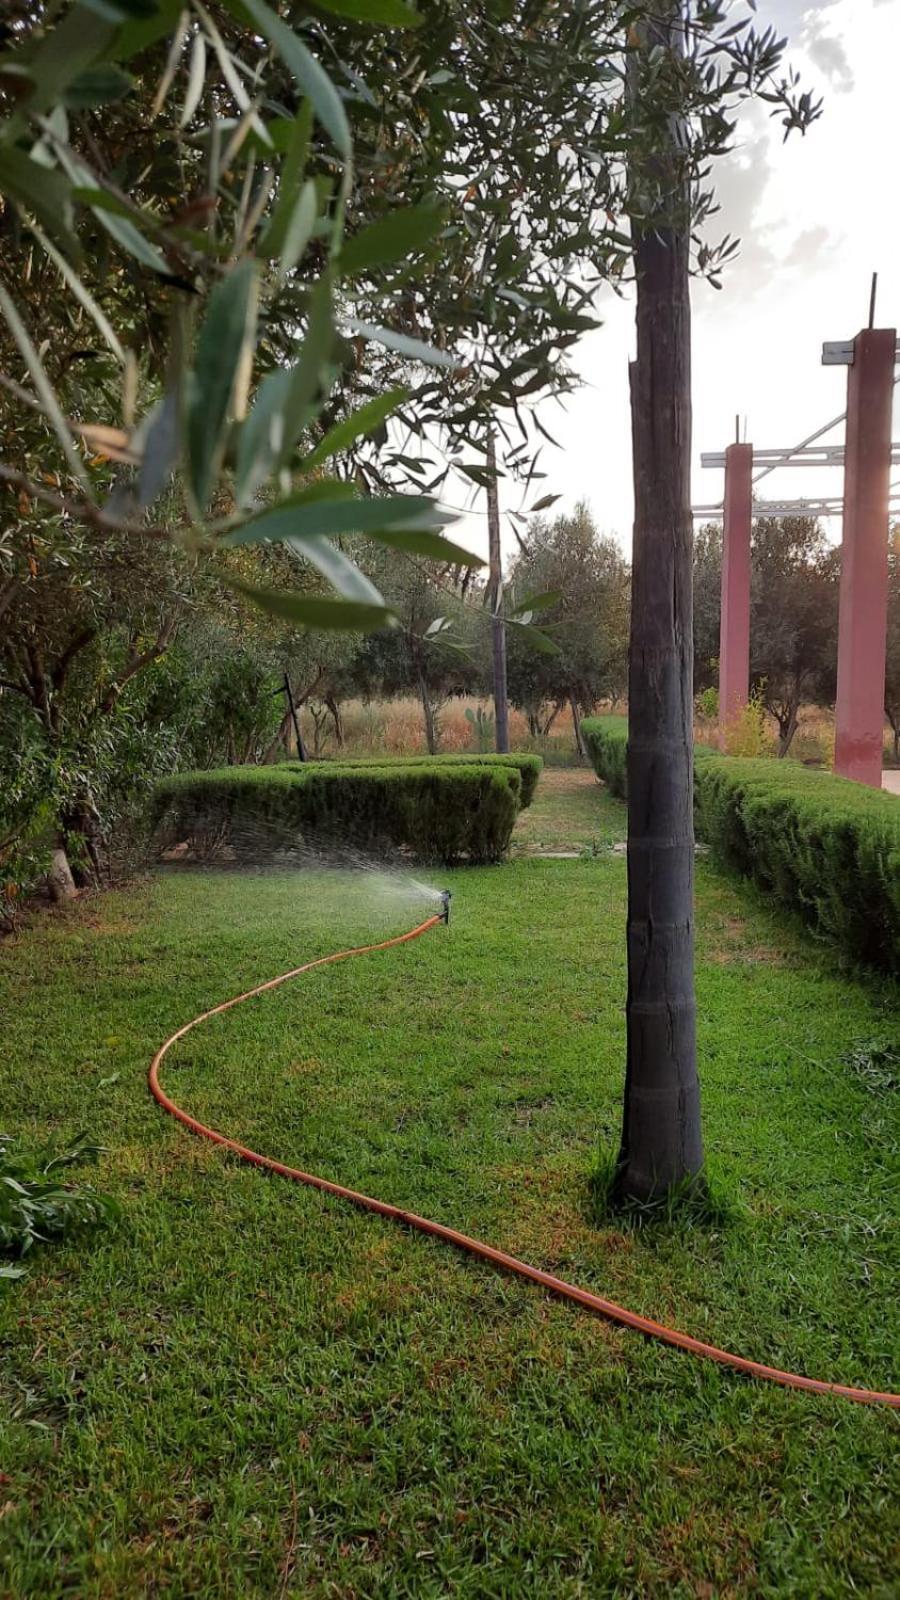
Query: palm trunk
(661,1136)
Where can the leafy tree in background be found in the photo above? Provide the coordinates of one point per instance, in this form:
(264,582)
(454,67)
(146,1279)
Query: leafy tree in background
(795,581)
(583,577)
(432,652)
(707,604)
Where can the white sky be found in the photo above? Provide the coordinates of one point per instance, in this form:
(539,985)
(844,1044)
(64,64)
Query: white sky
(816,216)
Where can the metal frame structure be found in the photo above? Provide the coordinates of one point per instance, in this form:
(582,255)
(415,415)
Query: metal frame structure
(868,500)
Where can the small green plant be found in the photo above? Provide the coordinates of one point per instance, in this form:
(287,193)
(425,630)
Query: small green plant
(746,734)
(37,1206)
(483,724)
(707,704)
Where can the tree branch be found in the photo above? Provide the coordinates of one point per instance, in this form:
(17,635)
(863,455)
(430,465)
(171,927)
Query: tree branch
(60,670)
(137,661)
(85,510)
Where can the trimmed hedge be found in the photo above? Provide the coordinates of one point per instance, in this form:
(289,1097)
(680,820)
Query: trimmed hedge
(826,847)
(606,742)
(529,767)
(438,813)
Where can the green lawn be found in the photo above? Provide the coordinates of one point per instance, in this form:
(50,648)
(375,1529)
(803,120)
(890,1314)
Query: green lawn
(249,1389)
(572,811)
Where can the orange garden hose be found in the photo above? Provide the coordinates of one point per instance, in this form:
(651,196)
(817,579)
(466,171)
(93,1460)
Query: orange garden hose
(475,1247)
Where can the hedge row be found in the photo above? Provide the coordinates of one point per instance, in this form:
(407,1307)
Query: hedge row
(437,813)
(828,848)
(529,767)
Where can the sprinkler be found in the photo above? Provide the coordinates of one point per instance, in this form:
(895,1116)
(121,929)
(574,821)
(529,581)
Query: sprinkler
(446,897)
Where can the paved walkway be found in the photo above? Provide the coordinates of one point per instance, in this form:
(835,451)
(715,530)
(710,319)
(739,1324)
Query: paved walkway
(891,780)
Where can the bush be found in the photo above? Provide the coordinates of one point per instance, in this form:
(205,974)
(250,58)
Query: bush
(528,766)
(606,742)
(437,811)
(828,848)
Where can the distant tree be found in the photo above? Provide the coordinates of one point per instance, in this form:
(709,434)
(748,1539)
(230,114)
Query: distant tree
(588,623)
(795,578)
(429,653)
(892,665)
(707,604)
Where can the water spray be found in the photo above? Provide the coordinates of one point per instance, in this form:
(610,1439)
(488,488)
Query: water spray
(461,1241)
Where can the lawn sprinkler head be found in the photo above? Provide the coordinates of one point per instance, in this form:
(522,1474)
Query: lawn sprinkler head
(446,897)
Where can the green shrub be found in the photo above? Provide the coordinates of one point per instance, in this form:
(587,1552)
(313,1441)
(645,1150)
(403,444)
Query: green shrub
(437,812)
(606,742)
(528,766)
(828,848)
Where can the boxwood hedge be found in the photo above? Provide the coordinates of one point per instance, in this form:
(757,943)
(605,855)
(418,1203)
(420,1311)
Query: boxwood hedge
(828,848)
(529,767)
(435,812)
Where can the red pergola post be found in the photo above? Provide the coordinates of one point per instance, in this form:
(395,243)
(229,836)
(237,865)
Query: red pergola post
(859,708)
(734,627)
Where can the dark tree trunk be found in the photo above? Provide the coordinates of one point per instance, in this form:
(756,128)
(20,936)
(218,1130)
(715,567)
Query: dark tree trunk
(787,727)
(576,724)
(295,718)
(661,1135)
(498,626)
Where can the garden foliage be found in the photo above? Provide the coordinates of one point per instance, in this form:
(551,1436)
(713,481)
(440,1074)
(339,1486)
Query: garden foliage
(437,811)
(826,847)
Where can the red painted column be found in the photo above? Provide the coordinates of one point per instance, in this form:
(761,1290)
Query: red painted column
(859,709)
(734,627)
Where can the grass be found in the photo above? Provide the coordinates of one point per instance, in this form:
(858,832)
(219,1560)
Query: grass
(247,1389)
(571,812)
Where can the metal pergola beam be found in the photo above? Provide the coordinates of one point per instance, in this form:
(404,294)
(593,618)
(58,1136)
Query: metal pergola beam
(824,455)
(790,508)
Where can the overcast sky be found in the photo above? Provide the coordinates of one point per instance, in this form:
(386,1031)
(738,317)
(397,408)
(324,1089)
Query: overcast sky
(816,217)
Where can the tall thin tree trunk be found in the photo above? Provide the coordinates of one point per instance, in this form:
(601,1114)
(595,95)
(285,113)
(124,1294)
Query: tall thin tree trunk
(661,1135)
(301,747)
(498,626)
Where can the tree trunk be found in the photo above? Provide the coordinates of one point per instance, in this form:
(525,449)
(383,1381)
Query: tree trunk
(334,711)
(576,724)
(787,727)
(552,718)
(661,1135)
(280,741)
(428,715)
(295,718)
(60,881)
(495,591)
